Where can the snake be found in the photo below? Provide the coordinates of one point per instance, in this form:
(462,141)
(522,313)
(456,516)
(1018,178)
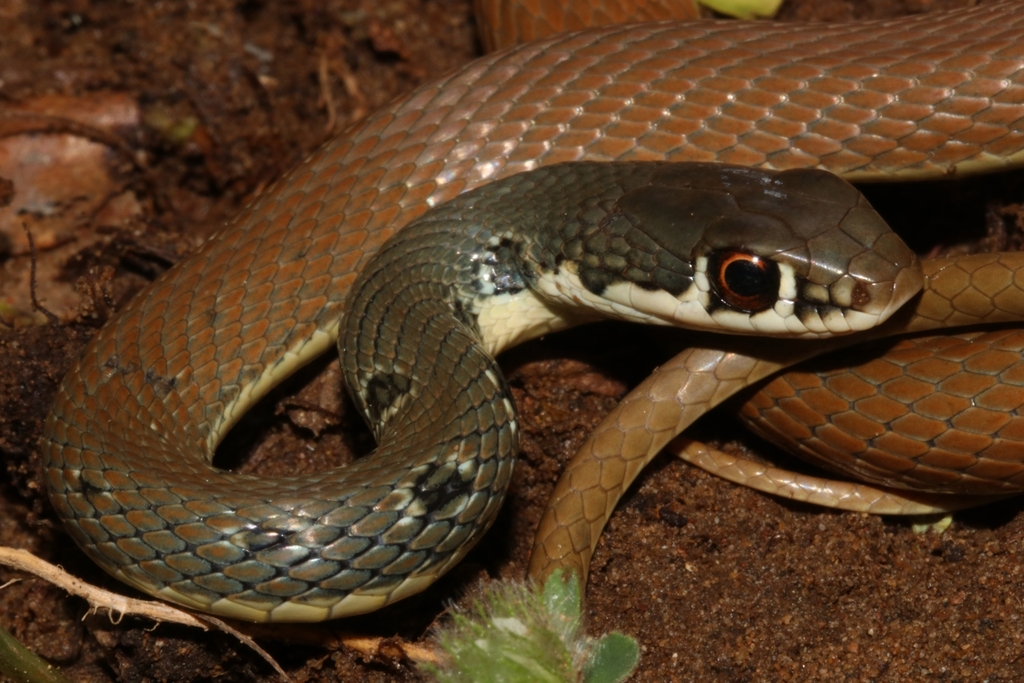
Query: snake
(128,443)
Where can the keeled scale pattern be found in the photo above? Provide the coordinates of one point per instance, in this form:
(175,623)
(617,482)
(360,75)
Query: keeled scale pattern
(127,445)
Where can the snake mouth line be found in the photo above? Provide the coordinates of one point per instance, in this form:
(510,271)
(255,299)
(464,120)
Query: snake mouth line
(908,284)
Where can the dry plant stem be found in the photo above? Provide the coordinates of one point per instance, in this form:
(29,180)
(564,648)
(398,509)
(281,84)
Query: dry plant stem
(326,97)
(370,647)
(32,279)
(99,598)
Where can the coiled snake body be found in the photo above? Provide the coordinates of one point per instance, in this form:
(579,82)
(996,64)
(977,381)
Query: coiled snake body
(128,442)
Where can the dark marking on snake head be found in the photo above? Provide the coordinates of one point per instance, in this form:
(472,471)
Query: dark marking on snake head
(597,280)
(807,311)
(624,247)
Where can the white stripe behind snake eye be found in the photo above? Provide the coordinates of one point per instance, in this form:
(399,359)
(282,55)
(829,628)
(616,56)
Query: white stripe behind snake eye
(561,300)
(627,301)
(787,282)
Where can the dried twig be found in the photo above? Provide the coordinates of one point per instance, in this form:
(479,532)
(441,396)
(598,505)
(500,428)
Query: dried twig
(324,78)
(36,306)
(99,598)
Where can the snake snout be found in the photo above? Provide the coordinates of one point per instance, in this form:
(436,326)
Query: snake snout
(878,283)
(908,284)
(855,272)
(885,298)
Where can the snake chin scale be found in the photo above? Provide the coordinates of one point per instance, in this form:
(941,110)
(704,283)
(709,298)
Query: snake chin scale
(511,319)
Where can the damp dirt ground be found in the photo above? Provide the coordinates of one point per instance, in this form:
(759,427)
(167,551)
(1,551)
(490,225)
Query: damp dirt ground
(155,122)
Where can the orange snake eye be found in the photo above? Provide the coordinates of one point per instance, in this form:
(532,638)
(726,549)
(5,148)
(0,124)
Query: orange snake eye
(743,281)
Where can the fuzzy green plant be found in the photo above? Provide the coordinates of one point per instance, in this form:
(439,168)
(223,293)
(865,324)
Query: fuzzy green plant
(518,633)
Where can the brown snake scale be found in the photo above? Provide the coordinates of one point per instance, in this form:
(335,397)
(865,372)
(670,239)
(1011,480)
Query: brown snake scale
(935,413)
(127,445)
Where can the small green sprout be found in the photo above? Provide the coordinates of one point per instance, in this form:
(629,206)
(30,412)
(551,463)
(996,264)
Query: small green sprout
(516,633)
(21,665)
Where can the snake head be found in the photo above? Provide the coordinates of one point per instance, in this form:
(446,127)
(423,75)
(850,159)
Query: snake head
(797,253)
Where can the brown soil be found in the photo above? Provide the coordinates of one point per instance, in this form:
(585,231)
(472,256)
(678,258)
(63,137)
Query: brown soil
(212,100)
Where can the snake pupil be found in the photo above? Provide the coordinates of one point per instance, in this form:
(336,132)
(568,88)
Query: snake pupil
(745,282)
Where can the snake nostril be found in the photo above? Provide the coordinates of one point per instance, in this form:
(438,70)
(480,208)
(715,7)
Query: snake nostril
(860,296)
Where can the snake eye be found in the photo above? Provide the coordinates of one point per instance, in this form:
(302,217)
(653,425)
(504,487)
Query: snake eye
(745,282)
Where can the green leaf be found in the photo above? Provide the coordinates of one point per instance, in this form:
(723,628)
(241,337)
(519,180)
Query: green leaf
(612,660)
(562,594)
(517,633)
(21,665)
